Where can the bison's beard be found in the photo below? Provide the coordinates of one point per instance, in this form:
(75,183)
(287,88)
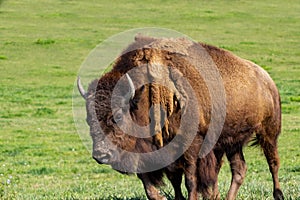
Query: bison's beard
(146,158)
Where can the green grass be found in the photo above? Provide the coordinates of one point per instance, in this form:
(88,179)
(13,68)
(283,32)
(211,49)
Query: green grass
(42,45)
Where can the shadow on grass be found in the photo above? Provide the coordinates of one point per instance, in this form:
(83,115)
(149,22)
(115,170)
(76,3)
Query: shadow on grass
(166,194)
(117,198)
(134,198)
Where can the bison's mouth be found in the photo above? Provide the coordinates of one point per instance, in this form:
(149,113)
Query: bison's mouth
(115,166)
(103,159)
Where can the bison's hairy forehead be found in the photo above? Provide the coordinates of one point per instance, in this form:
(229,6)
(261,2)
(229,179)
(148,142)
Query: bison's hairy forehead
(102,106)
(102,93)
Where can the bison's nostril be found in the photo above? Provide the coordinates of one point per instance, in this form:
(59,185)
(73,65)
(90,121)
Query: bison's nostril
(102,158)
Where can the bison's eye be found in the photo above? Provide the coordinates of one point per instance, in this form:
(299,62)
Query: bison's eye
(117,117)
(114,119)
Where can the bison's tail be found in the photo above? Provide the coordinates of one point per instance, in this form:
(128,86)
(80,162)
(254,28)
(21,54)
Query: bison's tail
(255,141)
(207,173)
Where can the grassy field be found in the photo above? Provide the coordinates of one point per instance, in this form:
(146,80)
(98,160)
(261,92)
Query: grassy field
(42,46)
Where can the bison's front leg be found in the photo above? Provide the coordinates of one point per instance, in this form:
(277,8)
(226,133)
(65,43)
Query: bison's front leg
(191,181)
(151,191)
(190,168)
(190,172)
(175,176)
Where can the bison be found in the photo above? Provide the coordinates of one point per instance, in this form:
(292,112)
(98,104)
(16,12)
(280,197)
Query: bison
(151,115)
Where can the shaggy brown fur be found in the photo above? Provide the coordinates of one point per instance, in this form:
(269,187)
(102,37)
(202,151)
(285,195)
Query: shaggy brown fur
(252,106)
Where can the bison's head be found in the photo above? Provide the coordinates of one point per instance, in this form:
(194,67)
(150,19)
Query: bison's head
(119,119)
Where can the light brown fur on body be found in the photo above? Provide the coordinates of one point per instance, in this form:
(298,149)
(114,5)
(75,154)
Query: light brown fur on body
(252,106)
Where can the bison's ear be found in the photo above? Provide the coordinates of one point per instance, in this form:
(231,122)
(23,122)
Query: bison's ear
(134,102)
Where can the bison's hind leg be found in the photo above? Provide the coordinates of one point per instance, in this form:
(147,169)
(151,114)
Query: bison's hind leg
(267,138)
(238,167)
(271,153)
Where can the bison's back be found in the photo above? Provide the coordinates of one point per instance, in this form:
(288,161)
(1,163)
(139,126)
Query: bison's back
(252,99)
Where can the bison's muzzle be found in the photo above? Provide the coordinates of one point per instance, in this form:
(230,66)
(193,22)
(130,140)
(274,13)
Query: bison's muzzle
(103,158)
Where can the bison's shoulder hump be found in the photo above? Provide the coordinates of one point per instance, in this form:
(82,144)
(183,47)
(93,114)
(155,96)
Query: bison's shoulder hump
(172,45)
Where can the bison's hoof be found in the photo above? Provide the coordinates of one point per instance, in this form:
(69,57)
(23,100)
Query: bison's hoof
(278,195)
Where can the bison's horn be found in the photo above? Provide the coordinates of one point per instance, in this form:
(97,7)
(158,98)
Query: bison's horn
(80,88)
(131,93)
